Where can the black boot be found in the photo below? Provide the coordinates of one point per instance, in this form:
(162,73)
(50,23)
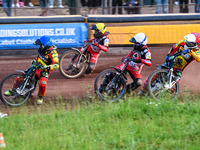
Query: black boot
(131,87)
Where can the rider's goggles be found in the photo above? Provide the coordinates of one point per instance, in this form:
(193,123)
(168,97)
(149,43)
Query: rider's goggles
(97,33)
(138,44)
(191,44)
(41,46)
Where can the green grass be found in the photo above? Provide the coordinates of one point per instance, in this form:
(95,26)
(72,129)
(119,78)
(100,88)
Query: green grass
(134,123)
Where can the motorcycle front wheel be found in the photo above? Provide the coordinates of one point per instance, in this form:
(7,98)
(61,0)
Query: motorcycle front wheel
(14,82)
(158,85)
(107,89)
(71,65)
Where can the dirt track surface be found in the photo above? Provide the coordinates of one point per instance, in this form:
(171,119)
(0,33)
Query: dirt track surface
(60,86)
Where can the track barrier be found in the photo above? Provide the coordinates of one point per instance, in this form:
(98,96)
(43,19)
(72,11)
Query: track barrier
(72,30)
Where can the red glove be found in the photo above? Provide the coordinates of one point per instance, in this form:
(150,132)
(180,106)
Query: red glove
(96,44)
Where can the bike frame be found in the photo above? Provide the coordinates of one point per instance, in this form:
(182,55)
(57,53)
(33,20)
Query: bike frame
(28,77)
(121,71)
(82,53)
(171,83)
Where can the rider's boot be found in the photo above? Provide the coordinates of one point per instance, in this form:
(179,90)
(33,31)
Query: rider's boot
(40,100)
(90,68)
(131,87)
(9,93)
(142,92)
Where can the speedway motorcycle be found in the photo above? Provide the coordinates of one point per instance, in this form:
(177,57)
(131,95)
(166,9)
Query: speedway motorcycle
(25,86)
(74,63)
(162,82)
(110,84)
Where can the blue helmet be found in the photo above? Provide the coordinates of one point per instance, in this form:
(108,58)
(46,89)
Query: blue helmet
(45,42)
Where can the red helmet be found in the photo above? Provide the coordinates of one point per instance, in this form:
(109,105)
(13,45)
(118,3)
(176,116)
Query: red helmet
(197,35)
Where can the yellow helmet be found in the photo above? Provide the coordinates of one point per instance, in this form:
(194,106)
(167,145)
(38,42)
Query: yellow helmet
(99,28)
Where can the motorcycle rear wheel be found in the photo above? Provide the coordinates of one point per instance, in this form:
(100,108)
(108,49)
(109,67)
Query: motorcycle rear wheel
(156,85)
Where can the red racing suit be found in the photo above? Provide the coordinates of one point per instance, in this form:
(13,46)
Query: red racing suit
(102,42)
(142,57)
(50,59)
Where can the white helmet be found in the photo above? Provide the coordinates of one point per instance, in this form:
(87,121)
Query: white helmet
(140,38)
(190,41)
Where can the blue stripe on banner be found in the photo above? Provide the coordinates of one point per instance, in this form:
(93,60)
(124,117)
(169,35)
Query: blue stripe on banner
(23,36)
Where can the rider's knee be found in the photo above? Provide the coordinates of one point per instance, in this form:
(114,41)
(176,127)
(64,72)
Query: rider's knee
(178,72)
(42,84)
(138,82)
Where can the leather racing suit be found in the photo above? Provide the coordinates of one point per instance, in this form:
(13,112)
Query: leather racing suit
(100,43)
(49,59)
(184,59)
(142,57)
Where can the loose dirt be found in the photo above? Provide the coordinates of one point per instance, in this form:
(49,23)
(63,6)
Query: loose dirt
(67,88)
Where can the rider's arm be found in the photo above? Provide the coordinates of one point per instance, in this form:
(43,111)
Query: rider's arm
(104,47)
(176,48)
(147,60)
(196,55)
(55,62)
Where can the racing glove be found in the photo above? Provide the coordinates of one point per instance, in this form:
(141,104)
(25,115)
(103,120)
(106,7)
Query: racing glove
(96,44)
(138,60)
(187,51)
(33,61)
(46,67)
(171,58)
(35,64)
(125,60)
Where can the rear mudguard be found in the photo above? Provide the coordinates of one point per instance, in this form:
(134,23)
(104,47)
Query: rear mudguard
(21,71)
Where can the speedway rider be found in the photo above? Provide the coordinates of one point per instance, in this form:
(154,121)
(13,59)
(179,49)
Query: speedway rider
(191,52)
(139,56)
(99,42)
(48,58)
